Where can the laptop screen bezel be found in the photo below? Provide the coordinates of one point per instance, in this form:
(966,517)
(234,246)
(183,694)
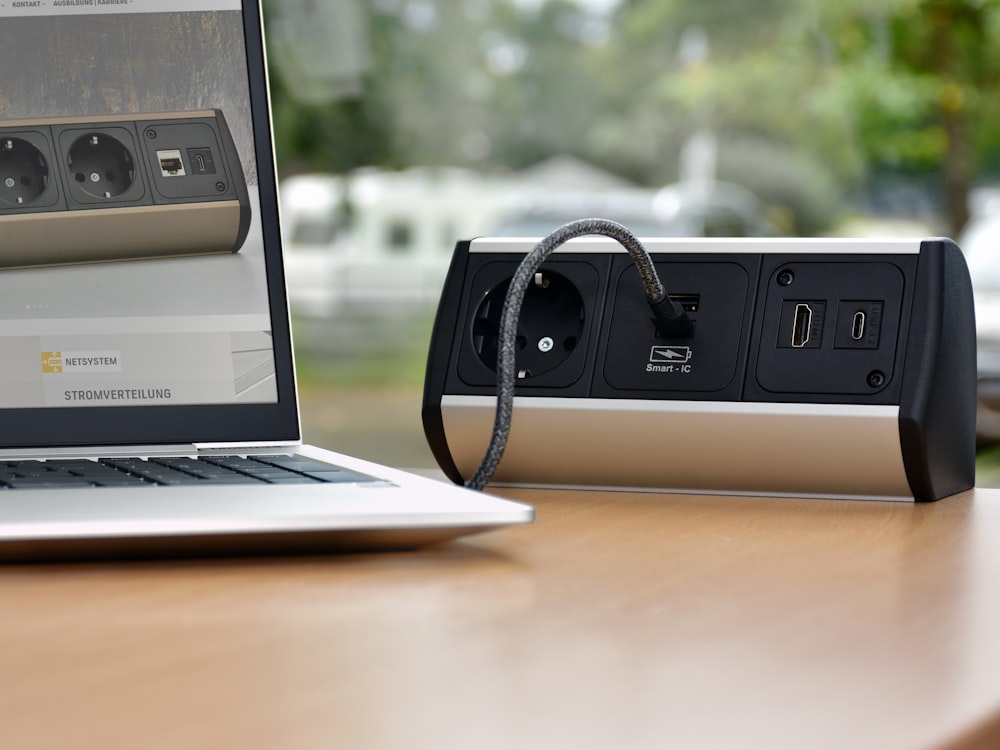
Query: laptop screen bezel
(238,423)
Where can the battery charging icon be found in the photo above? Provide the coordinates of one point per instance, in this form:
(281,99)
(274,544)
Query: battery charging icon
(669,354)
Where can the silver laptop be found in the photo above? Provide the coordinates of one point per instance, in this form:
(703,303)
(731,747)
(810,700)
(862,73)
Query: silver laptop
(147,389)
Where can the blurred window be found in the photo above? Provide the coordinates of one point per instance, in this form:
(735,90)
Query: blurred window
(314,231)
(399,236)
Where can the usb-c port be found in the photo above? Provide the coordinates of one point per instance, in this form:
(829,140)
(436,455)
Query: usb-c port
(858,326)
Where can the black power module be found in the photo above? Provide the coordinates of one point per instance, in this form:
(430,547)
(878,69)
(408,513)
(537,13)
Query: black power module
(831,368)
(88,189)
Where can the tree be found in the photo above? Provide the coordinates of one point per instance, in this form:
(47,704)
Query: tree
(810,101)
(860,87)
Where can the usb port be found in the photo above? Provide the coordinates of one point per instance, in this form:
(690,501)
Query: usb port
(201,160)
(689,302)
(859,324)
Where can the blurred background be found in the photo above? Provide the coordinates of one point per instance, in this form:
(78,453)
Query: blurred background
(405,125)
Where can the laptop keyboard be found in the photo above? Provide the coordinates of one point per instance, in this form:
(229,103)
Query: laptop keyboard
(168,470)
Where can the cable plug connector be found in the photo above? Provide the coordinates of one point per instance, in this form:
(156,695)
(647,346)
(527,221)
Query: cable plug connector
(672,321)
(669,315)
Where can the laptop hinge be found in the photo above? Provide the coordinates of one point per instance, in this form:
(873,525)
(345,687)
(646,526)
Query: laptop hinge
(96,450)
(243,447)
(101,451)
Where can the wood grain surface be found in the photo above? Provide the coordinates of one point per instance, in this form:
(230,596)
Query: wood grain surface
(617,620)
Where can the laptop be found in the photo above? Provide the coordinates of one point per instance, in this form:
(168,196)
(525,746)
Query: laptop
(147,387)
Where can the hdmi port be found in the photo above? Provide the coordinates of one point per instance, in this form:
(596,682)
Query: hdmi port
(802,325)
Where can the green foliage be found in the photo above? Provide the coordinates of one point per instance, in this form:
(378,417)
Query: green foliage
(823,94)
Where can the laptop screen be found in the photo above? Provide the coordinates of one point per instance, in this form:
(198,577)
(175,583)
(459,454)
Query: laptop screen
(141,291)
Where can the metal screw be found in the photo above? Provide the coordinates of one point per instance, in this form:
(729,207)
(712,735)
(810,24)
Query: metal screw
(545,344)
(220,186)
(150,133)
(876,379)
(785,278)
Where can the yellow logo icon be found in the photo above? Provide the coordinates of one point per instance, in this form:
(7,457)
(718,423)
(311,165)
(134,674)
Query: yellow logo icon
(52,362)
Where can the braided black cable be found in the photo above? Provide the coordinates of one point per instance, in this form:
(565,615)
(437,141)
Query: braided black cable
(670,318)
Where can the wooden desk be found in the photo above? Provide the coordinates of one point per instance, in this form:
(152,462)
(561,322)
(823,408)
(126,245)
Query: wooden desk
(616,621)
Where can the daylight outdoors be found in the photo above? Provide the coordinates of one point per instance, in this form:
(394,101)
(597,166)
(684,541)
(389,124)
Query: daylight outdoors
(405,125)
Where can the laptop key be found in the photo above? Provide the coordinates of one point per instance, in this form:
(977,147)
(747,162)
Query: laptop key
(287,469)
(151,471)
(57,480)
(256,469)
(341,475)
(201,469)
(132,471)
(119,480)
(316,469)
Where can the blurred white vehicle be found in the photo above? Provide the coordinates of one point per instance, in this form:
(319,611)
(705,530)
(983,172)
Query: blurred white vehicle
(378,241)
(714,209)
(981,243)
